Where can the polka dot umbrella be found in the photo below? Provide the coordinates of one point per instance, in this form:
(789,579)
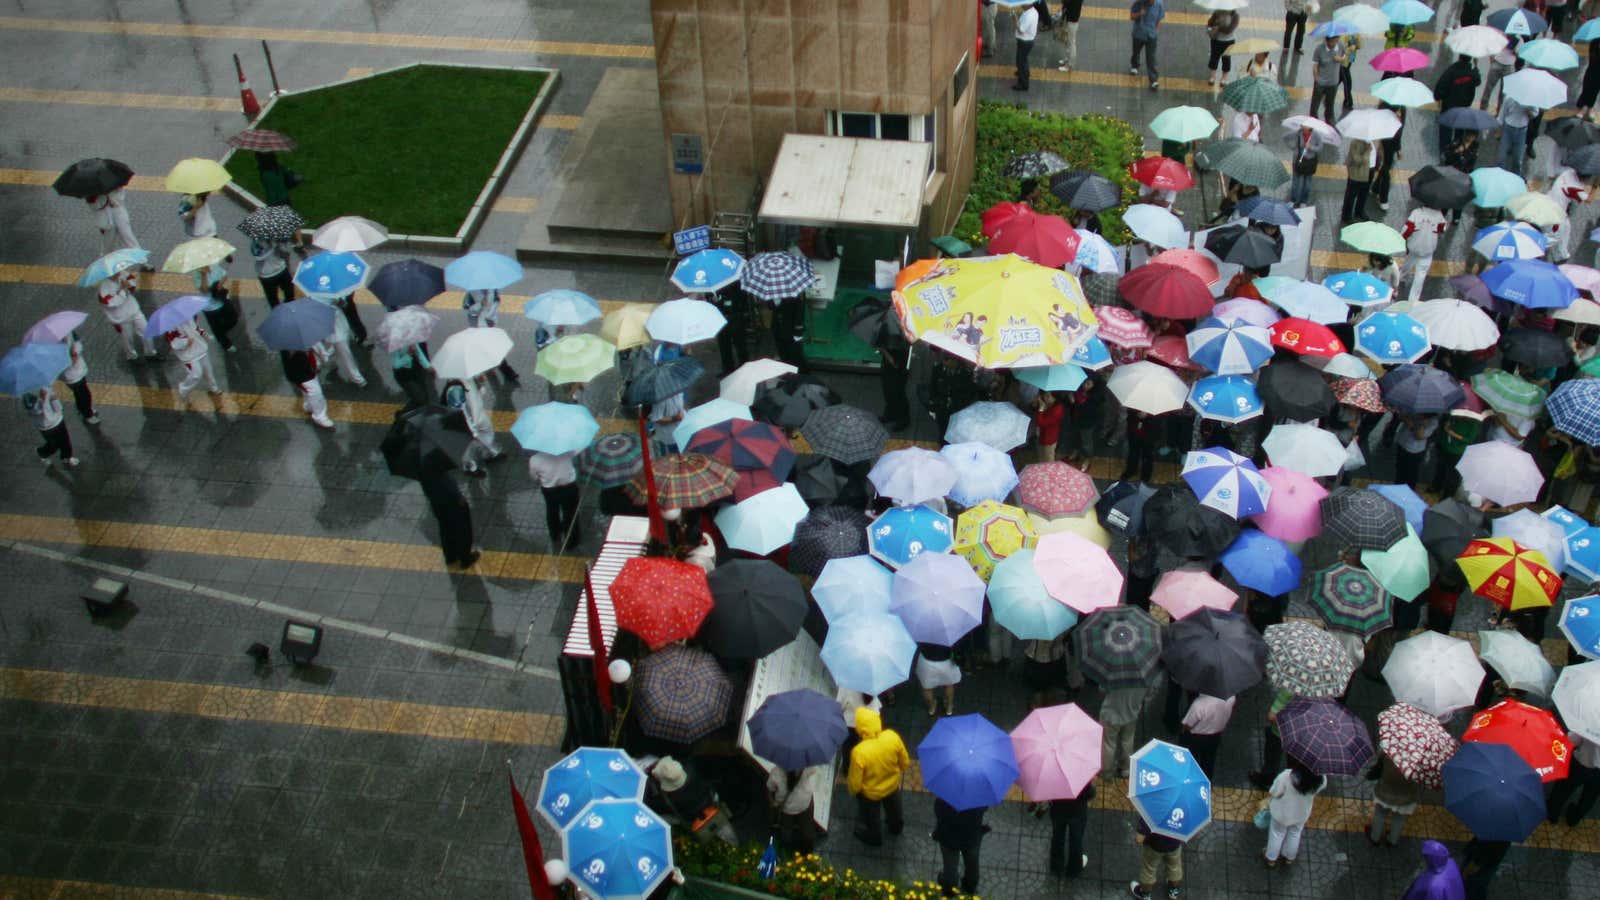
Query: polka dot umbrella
(661,600)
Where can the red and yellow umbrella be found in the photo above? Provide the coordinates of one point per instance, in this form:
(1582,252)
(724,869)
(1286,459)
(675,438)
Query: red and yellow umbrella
(1504,571)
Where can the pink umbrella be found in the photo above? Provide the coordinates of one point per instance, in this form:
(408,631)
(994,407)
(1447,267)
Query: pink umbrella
(1174,351)
(1582,277)
(1055,489)
(1294,510)
(1123,327)
(1076,571)
(1058,752)
(1246,309)
(1183,592)
(1400,59)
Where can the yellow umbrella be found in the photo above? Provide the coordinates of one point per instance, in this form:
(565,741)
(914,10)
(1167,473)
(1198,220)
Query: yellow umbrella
(997,311)
(990,532)
(625,327)
(1084,525)
(197,254)
(1536,209)
(1252,46)
(197,175)
(1507,573)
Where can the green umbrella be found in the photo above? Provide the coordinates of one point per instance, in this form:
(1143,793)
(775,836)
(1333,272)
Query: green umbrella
(1254,164)
(1255,95)
(1508,393)
(1183,124)
(1350,599)
(1401,569)
(576,358)
(1373,237)
(1592,367)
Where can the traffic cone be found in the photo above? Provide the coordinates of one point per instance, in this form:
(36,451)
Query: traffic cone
(247,97)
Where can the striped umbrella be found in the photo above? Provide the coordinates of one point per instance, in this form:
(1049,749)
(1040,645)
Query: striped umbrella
(1226,482)
(1508,393)
(1350,599)
(1509,574)
(1230,348)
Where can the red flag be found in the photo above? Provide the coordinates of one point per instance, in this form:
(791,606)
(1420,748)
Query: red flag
(597,644)
(532,852)
(658,525)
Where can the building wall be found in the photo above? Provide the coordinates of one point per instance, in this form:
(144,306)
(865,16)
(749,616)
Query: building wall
(742,73)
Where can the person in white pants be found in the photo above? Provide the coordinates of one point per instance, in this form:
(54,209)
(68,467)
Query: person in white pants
(189,344)
(300,368)
(483,448)
(337,347)
(1289,802)
(111,217)
(1421,231)
(122,311)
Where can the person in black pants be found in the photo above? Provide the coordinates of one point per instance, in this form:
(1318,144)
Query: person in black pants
(1478,862)
(454,517)
(1388,152)
(1143,555)
(411,368)
(1068,819)
(1141,457)
(358,329)
(558,481)
(959,834)
(789,331)
(1578,776)
(732,344)
(893,375)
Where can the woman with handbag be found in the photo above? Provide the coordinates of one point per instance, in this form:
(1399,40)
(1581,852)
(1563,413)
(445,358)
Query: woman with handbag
(1220,27)
(1289,808)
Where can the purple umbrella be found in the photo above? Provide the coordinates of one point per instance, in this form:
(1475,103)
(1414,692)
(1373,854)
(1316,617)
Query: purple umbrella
(1325,736)
(173,314)
(938,597)
(54,328)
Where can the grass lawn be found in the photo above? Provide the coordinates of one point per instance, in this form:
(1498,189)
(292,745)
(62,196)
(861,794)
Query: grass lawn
(410,149)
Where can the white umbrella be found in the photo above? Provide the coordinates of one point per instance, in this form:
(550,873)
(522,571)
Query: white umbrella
(1369,19)
(685,320)
(1535,532)
(740,386)
(1535,88)
(1148,387)
(348,234)
(1577,698)
(1456,324)
(471,352)
(1369,124)
(1321,129)
(1435,673)
(1504,473)
(1155,225)
(1583,311)
(1519,661)
(1306,449)
(1476,41)
(1310,300)
(763,523)
(1344,365)
(1407,92)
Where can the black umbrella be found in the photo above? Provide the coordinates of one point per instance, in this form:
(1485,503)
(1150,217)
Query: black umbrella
(1086,191)
(1119,646)
(92,177)
(757,608)
(789,400)
(1214,652)
(874,320)
(825,482)
(1175,519)
(661,381)
(848,434)
(1363,519)
(1441,187)
(1293,390)
(407,282)
(1569,132)
(1586,159)
(1034,164)
(796,729)
(1469,118)
(1448,527)
(1419,389)
(1535,349)
(424,440)
(1121,506)
(1248,247)
(272,223)
(829,532)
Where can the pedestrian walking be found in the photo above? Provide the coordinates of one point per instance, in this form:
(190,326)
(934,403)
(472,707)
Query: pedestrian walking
(1291,796)
(937,675)
(1394,799)
(987,11)
(467,396)
(1326,64)
(453,515)
(122,310)
(1514,119)
(189,345)
(1421,230)
(1440,878)
(877,763)
(1583,778)
(1479,860)
(222,310)
(1295,13)
(300,368)
(111,219)
(1027,32)
(1203,726)
(1067,33)
(1590,88)
(1119,719)
(1069,818)
(271,259)
(959,833)
(44,410)
(483,311)
(76,378)
(1160,858)
(558,482)
(1360,159)
(194,214)
(1220,28)
(1305,155)
(1146,16)
(411,369)
(336,348)
(1457,86)
(1352,46)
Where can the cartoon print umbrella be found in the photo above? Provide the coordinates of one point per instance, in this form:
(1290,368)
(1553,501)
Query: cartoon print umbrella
(660,599)
(1169,790)
(1306,660)
(1580,622)
(990,532)
(903,533)
(618,850)
(1226,398)
(585,775)
(1416,743)
(680,694)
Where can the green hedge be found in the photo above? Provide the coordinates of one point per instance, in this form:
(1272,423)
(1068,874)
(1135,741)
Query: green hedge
(1101,143)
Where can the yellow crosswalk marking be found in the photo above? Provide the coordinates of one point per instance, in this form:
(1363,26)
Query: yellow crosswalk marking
(66,889)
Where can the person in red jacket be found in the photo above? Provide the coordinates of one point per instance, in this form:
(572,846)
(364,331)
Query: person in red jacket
(1047,415)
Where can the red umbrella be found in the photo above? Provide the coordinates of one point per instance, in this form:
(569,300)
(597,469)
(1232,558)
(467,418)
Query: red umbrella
(1174,351)
(660,599)
(1055,489)
(745,445)
(1306,338)
(1044,239)
(1161,173)
(262,140)
(1122,327)
(1166,291)
(1001,213)
(1532,732)
(1191,260)
(752,482)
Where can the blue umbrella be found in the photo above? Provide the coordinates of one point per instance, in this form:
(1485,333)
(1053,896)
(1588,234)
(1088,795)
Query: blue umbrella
(1580,622)
(707,414)
(1492,186)
(1406,12)
(1226,398)
(982,473)
(1510,240)
(1392,338)
(483,270)
(707,271)
(1358,288)
(1229,348)
(868,652)
(1022,605)
(555,428)
(29,367)
(939,597)
(1271,210)
(1093,355)
(1409,501)
(173,314)
(1334,28)
(967,762)
(1262,563)
(1534,283)
(796,729)
(1583,554)
(116,261)
(618,850)
(1169,790)
(912,475)
(1588,31)
(585,775)
(685,321)
(1518,22)
(1000,425)
(1226,482)
(852,584)
(1570,522)
(1493,791)
(562,307)
(1574,408)
(904,532)
(329,276)
(1471,118)
(296,325)
(1065,377)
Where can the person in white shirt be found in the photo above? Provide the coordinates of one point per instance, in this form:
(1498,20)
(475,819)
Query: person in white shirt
(558,482)
(111,218)
(194,213)
(1291,795)
(483,311)
(122,311)
(189,344)
(468,397)
(271,259)
(1421,231)
(336,346)
(1245,125)
(1027,32)
(300,368)
(76,378)
(1261,66)
(1203,725)
(44,410)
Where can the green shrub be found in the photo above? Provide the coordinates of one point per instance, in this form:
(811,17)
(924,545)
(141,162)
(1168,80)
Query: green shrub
(800,876)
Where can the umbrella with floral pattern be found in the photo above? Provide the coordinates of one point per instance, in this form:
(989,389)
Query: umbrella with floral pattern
(1055,489)
(1416,743)
(661,600)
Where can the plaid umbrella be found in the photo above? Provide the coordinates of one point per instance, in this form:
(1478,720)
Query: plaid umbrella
(777,276)
(262,140)
(1255,95)
(1421,389)
(788,400)
(660,599)
(1293,390)
(1101,288)
(1055,489)
(1034,164)
(1350,599)
(848,434)
(1363,519)
(744,444)
(1416,743)
(1086,191)
(829,532)
(756,608)
(1175,519)
(612,461)
(1118,647)
(1325,736)
(661,381)
(686,481)
(680,694)
(1214,652)
(1574,408)
(1307,661)
(1255,165)
(272,223)
(92,177)
(990,532)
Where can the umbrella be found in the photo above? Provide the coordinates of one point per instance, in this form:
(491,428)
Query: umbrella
(558,308)
(1252,163)
(1117,647)
(1577,698)
(618,850)
(555,428)
(1231,347)
(272,223)
(1410,93)
(1306,338)
(1363,519)
(1407,12)
(611,461)
(1535,349)
(845,433)
(741,386)
(660,599)
(1183,592)
(331,275)
(348,234)
(1507,393)
(1476,41)
(1494,792)
(756,608)
(94,177)
(1399,60)
(469,353)
(1471,118)
(789,400)
(1359,393)
(1433,672)
(982,473)
(296,325)
(990,532)
(1535,532)
(1535,88)
(624,326)
(1123,327)
(1153,225)
(1255,95)
(1325,737)
(1448,527)
(1537,209)
(1261,562)
(1294,512)
(903,533)
(873,320)
(797,729)
(1519,662)
(1268,210)
(1369,125)
(1195,261)
(1045,239)
(262,140)
(1577,134)
(1077,572)
(1183,124)
(1022,605)
(1456,324)
(1510,575)
(967,762)
(404,327)
(1294,390)
(1175,519)
(744,445)
(1373,237)
(1305,449)
(663,380)
(1226,482)
(1334,28)
(1350,599)
(1057,751)
(585,775)
(1092,355)
(1226,398)
(1366,19)
(776,276)
(998,311)
(1402,570)
(1574,407)
(1147,387)
(111,264)
(54,328)
(1420,390)
(1503,473)
(1416,744)
(991,220)
(1494,186)
(197,175)
(850,585)
(1343,366)
(680,694)
(408,282)
(197,253)
(1171,350)
(912,475)
(1169,790)
(707,271)
(1323,130)
(1533,283)
(1161,173)
(572,359)
(685,321)
(1248,247)
(686,481)
(1121,507)
(1583,554)
(1000,425)
(823,482)
(1440,187)
(1214,652)
(1034,164)
(869,652)
(1392,338)
(826,534)
(1307,661)
(1314,302)
(1509,240)
(1086,191)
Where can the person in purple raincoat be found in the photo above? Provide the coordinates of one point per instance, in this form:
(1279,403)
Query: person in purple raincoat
(1441,880)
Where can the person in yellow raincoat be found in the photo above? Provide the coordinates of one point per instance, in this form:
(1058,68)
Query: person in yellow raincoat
(877,764)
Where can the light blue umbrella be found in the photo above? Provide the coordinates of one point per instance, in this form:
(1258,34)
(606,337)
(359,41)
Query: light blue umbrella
(1533,283)
(1588,31)
(1000,425)
(1229,348)
(707,414)
(1262,563)
(1092,354)
(555,428)
(29,367)
(585,775)
(1409,501)
(1169,790)
(1406,12)
(763,523)
(1226,398)
(1510,240)
(1334,28)
(1570,522)
(1022,605)
(707,270)
(967,762)
(1547,53)
(1583,554)
(1580,622)
(1358,288)
(1392,338)
(904,532)
(1309,300)
(685,321)
(1066,377)
(1095,254)
(562,307)
(982,473)
(1226,482)
(618,850)
(868,652)
(116,261)
(329,276)
(939,597)
(1535,532)
(850,585)
(912,475)
(170,316)
(1493,186)
(483,270)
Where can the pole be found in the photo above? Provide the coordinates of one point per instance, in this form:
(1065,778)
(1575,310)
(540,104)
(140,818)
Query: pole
(271,70)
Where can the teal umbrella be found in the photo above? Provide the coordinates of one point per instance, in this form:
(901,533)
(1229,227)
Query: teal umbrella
(1022,605)
(555,428)
(1184,124)
(1402,569)
(1493,186)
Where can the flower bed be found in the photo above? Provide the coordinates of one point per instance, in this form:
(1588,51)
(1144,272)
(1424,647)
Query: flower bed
(802,876)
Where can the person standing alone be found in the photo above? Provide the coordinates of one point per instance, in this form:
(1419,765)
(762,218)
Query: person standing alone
(1146,16)
(1027,33)
(877,764)
(1326,64)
